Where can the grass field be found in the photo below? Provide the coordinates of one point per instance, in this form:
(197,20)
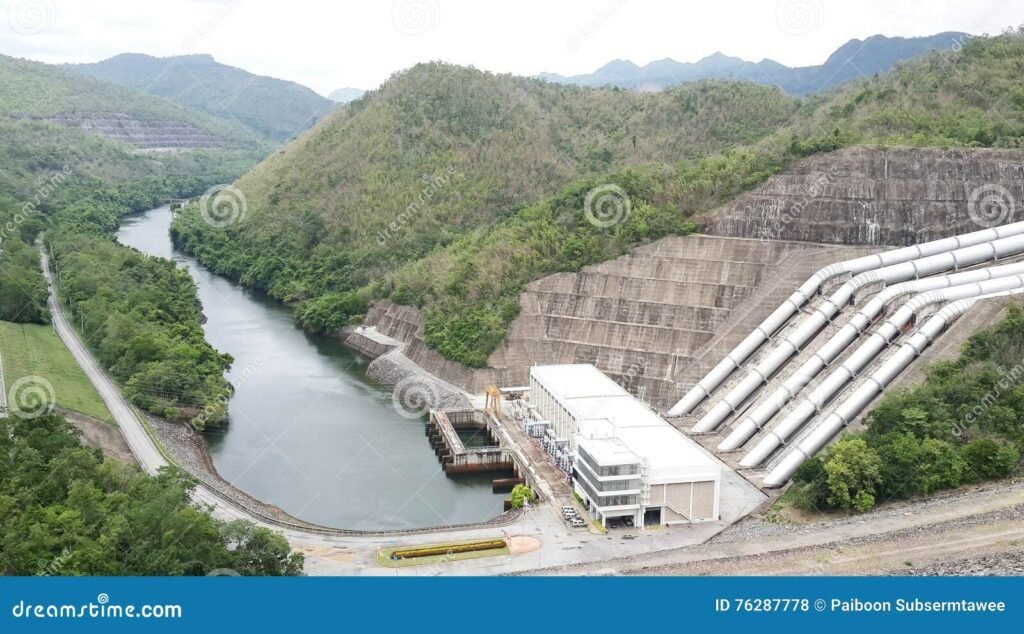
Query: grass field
(34,350)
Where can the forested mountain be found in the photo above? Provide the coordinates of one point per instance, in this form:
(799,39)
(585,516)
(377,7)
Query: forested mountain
(271,108)
(441,150)
(38,92)
(75,154)
(398,195)
(876,54)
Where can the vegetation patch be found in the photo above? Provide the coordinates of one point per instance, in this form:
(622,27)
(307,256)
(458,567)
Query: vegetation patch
(32,350)
(66,510)
(520,495)
(962,425)
(140,315)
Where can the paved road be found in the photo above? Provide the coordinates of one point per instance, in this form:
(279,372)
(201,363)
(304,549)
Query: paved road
(142,446)
(139,441)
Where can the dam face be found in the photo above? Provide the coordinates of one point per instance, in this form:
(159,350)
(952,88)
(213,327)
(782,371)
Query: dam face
(657,319)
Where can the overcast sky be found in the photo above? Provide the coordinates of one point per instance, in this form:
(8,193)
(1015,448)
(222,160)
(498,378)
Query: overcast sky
(328,45)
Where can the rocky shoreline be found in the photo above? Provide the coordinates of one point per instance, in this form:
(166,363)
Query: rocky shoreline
(413,387)
(192,453)
(190,450)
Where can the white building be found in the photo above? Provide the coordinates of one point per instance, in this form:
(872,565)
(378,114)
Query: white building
(629,462)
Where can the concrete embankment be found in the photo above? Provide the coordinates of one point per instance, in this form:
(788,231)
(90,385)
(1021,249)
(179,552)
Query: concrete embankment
(658,319)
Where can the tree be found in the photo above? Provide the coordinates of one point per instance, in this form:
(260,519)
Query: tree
(939,467)
(853,472)
(520,495)
(259,551)
(988,458)
(65,510)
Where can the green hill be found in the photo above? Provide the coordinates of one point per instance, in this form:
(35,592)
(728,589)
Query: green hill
(272,108)
(440,150)
(53,160)
(342,216)
(40,92)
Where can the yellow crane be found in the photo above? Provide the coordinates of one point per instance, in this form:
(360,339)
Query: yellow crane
(493,403)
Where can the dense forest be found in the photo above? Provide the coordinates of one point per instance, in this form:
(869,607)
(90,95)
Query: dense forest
(961,425)
(442,190)
(65,510)
(139,314)
(22,288)
(437,154)
(72,187)
(141,317)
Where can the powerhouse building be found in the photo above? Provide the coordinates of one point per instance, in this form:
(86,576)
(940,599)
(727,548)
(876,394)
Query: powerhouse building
(628,462)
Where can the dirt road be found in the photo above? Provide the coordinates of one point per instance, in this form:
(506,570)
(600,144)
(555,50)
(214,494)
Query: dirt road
(973,525)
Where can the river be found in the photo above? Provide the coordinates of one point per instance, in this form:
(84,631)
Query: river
(308,431)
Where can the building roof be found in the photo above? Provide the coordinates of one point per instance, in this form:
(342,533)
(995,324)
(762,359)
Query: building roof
(622,411)
(609,451)
(576,380)
(669,453)
(608,416)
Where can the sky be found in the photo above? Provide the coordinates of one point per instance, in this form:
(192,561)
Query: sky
(328,45)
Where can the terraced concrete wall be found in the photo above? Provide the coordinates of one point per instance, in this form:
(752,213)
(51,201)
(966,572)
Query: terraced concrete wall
(866,196)
(155,135)
(645,318)
(657,319)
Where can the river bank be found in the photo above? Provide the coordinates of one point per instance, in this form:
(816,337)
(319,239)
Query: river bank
(310,433)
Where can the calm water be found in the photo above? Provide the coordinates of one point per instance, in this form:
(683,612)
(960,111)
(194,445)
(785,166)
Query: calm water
(308,431)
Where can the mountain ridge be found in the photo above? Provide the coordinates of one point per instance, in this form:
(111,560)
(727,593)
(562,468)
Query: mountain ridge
(856,57)
(346,94)
(276,109)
